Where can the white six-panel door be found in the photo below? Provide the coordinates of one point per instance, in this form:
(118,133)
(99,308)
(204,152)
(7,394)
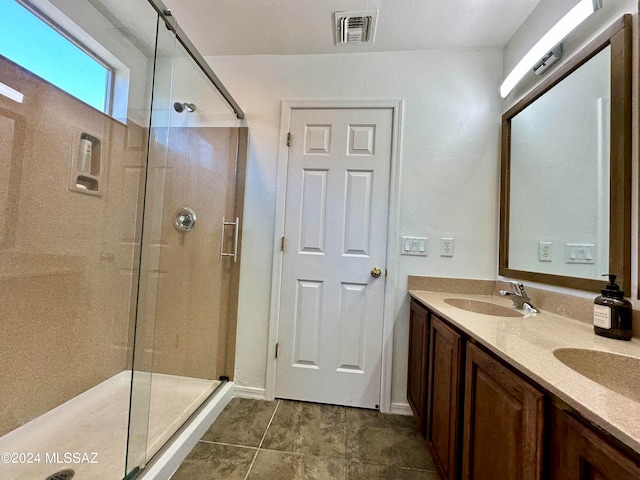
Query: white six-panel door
(331,306)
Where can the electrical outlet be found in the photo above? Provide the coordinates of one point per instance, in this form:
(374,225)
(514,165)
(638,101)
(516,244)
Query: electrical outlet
(446,247)
(545,251)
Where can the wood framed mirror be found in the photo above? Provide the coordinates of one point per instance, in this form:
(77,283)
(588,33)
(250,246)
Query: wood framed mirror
(565,190)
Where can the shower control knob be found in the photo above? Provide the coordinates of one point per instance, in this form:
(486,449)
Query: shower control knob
(185,219)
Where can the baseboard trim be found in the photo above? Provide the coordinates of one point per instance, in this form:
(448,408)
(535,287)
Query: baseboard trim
(260,394)
(401,409)
(249,392)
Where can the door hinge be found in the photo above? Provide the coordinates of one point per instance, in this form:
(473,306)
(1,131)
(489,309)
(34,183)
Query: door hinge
(282,244)
(277,344)
(289,139)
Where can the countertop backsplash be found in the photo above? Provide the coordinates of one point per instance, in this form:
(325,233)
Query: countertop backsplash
(570,306)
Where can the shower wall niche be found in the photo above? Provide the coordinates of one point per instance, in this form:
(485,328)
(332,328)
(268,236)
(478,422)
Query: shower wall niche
(87,164)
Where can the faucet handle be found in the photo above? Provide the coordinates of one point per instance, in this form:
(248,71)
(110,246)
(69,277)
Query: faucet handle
(519,297)
(517,288)
(521,291)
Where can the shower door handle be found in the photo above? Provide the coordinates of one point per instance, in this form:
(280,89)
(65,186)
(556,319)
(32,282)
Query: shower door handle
(236,225)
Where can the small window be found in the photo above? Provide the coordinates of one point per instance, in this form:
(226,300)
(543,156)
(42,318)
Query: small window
(37,44)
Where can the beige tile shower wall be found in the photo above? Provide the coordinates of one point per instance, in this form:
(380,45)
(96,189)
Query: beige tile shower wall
(193,284)
(66,258)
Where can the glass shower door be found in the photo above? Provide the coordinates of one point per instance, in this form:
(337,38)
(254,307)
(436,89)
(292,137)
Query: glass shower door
(143,333)
(187,293)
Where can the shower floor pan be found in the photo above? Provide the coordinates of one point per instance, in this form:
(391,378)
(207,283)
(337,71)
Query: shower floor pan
(89,432)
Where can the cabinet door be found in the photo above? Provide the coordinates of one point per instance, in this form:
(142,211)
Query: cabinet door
(443,415)
(578,453)
(417,372)
(504,417)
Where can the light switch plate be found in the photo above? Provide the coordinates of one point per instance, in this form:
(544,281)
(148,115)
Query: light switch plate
(416,246)
(579,253)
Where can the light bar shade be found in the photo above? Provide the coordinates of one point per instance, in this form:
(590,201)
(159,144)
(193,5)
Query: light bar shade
(553,37)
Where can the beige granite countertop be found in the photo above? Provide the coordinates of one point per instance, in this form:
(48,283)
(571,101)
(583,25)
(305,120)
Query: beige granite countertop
(528,343)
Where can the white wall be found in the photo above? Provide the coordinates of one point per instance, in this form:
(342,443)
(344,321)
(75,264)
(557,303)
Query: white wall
(449,168)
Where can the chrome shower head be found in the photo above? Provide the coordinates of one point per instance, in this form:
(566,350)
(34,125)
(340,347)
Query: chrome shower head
(180,107)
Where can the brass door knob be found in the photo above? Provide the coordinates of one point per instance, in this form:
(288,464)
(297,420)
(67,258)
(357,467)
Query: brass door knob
(376,272)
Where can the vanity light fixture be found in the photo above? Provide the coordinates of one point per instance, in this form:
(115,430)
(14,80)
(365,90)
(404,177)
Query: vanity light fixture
(550,39)
(549,59)
(11,93)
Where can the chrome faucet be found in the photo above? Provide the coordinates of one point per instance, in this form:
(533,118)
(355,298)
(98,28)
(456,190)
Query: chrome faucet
(519,297)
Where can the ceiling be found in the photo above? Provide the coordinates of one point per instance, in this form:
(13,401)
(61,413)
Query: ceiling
(287,27)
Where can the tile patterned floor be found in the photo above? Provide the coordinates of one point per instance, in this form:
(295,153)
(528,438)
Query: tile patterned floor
(287,440)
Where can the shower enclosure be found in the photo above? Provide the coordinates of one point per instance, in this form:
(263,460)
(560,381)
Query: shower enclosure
(120,234)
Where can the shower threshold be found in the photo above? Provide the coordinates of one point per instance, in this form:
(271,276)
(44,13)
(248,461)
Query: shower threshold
(89,432)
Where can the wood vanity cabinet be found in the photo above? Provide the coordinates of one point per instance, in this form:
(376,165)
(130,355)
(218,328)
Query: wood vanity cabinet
(577,452)
(503,422)
(443,397)
(484,421)
(418,365)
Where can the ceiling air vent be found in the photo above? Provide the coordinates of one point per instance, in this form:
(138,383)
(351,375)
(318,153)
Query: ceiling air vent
(355,27)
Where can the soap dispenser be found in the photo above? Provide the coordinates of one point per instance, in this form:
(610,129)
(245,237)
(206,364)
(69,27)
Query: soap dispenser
(612,313)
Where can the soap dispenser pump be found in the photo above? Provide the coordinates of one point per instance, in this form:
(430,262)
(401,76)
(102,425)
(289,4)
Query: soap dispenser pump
(612,313)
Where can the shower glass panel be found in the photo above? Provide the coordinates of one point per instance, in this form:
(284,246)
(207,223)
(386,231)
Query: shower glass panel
(70,211)
(188,279)
(115,325)
(143,334)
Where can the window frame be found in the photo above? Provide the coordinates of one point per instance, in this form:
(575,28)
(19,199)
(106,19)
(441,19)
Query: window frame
(107,107)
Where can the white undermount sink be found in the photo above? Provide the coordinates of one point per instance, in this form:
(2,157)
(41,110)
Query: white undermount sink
(483,308)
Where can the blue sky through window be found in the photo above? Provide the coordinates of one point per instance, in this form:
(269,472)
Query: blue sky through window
(31,43)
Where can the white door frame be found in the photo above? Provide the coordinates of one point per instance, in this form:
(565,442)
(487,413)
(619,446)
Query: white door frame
(392,235)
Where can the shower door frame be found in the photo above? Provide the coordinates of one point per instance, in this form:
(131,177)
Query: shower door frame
(172,24)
